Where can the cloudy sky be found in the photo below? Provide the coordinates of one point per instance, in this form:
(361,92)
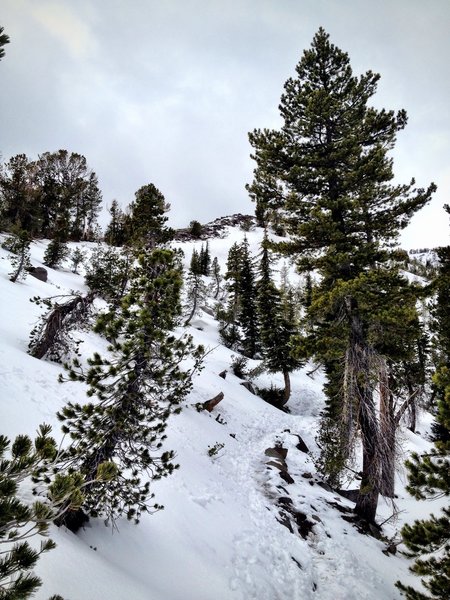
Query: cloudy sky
(165,91)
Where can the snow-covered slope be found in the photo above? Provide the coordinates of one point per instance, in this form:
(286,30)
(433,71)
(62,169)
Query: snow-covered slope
(247,522)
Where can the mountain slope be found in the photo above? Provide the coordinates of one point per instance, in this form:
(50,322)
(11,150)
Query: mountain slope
(243,519)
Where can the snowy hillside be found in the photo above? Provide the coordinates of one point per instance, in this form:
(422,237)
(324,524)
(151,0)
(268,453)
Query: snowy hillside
(246,516)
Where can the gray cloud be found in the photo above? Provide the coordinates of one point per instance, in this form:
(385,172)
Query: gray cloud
(165,92)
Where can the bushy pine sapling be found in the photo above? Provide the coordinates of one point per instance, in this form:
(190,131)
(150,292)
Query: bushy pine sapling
(428,540)
(76,258)
(20,522)
(195,229)
(108,273)
(137,387)
(56,253)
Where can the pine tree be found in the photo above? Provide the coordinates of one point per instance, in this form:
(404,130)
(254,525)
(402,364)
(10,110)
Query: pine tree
(205,259)
(19,521)
(77,258)
(248,316)
(228,316)
(18,202)
(115,234)
(429,474)
(326,174)
(148,217)
(19,245)
(4,39)
(137,388)
(195,288)
(195,229)
(108,273)
(277,327)
(67,191)
(57,251)
(215,268)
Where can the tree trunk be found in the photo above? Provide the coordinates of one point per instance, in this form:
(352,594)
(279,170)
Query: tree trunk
(20,267)
(287,387)
(388,427)
(367,502)
(360,366)
(194,306)
(54,323)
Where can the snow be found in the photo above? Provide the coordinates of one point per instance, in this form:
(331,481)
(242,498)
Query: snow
(220,535)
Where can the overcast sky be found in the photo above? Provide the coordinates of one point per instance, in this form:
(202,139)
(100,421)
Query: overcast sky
(166,91)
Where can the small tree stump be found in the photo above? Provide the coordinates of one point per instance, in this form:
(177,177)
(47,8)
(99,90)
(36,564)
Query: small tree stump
(210,404)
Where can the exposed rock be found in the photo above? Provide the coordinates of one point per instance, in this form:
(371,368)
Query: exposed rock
(38,272)
(277,452)
(301,445)
(216,228)
(351,495)
(208,310)
(290,516)
(286,477)
(277,465)
(223,374)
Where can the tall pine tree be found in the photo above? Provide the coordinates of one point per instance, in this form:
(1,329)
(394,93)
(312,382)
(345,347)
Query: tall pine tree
(327,173)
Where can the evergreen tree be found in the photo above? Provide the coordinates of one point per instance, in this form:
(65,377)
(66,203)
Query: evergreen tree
(18,203)
(248,317)
(137,388)
(327,174)
(19,245)
(205,259)
(77,258)
(67,192)
(4,39)
(239,327)
(115,234)
(195,264)
(57,251)
(195,288)
(228,317)
(108,273)
(19,521)
(276,325)
(148,217)
(195,229)
(215,268)
(429,474)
